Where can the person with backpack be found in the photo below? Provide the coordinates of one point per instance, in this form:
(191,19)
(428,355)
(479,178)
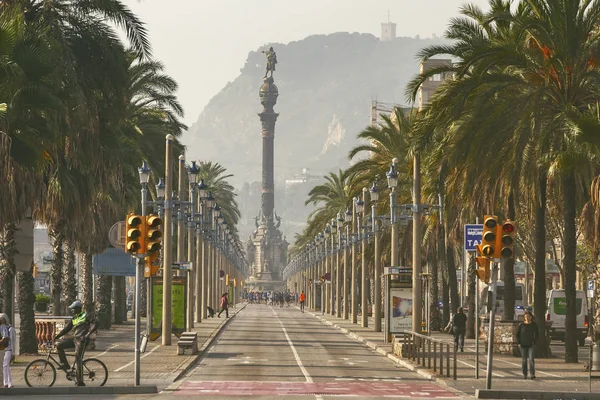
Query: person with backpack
(8,334)
(527,336)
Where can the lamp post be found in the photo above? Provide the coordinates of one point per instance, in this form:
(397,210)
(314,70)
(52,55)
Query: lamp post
(167,274)
(193,172)
(338,273)
(348,221)
(201,253)
(334,272)
(358,209)
(392,180)
(377,262)
(327,268)
(144,173)
(363,286)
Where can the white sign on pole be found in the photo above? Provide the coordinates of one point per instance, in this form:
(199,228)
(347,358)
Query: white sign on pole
(182,265)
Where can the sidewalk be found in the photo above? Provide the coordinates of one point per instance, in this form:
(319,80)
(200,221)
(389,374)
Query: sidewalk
(553,374)
(160,365)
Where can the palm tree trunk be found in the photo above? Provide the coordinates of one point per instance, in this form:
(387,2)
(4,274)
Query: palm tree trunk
(87,284)
(539,293)
(27,339)
(144,299)
(7,253)
(445,296)
(70,275)
(120,306)
(104,302)
(471,299)
(570,267)
(509,269)
(452,280)
(434,308)
(57,266)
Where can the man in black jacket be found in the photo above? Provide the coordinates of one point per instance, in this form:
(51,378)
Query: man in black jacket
(459,328)
(527,337)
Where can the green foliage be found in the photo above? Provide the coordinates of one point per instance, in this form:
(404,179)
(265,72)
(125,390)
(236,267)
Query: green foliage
(42,299)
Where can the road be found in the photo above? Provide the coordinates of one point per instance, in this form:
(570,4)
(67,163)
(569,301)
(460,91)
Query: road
(270,351)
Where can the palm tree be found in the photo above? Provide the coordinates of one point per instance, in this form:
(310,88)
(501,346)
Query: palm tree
(540,56)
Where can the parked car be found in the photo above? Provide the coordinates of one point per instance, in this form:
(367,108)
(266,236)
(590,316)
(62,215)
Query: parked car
(557,313)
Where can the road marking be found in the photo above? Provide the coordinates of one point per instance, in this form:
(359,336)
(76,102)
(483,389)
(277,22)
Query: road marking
(536,371)
(107,350)
(296,356)
(129,363)
(472,366)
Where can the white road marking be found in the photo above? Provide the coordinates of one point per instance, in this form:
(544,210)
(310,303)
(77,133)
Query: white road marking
(129,363)
(296,356)
(107,350)
(537,371)
(472,366)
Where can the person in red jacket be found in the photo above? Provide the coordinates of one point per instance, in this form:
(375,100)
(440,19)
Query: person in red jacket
(224,306)
(302,299)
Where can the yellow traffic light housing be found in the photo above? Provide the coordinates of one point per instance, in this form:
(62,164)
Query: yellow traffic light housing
(135,234)
(227,280)
(151,265)
(488,242)
(483,273)
(506,239)
(153,234)
(234,282)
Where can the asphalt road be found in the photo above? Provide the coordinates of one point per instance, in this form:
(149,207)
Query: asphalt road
(267,352)
(270,351)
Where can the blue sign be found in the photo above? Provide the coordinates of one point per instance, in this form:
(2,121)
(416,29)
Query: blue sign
(114,262)
(473,234)
(590,285)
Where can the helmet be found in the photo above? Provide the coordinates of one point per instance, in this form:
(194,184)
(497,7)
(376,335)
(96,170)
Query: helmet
(76,304)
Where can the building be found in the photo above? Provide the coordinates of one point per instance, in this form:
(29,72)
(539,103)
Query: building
(388,30)
(429,87)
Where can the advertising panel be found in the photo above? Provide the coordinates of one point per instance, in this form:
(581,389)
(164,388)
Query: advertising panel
(178,305)
(400,309)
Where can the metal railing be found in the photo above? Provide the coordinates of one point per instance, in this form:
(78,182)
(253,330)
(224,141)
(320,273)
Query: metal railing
(419,350)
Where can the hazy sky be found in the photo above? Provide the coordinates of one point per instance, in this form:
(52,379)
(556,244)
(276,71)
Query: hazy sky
(204,43)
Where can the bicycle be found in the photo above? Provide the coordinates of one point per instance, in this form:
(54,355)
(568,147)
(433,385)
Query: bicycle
(42,372)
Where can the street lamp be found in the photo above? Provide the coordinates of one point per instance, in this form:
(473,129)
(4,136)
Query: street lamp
(144,172)
(377,264)
(364,234)
(193,172)
(160,189)
(202,189)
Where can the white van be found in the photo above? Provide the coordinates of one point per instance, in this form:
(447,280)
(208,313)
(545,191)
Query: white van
(483,297)
(557,313)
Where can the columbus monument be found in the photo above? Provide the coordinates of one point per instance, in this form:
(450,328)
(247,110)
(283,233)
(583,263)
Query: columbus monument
(267,247)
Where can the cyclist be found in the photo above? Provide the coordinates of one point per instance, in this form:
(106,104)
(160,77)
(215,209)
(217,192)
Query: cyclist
(83,327)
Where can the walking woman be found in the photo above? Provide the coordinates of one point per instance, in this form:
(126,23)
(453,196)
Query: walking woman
(527,336)
(7,333)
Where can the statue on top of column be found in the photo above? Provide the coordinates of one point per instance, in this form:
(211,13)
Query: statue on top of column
(271,61)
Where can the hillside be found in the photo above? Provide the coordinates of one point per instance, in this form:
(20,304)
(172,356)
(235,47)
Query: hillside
(326,84)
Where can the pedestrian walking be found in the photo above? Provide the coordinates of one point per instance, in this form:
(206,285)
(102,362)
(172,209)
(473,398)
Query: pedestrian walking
(459,328)
(302,299)
(527,336)
(8,334)
(224,306)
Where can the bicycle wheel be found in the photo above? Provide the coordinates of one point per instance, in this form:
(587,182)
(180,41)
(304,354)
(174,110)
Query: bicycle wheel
(95,372)
(40,373)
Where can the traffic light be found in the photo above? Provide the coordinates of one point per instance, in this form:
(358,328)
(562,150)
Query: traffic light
(153,234)
(135,234)
(506,239)
(227,280)
(151,265)
(35,270)
(234,282)
(483,273)
(488,242)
